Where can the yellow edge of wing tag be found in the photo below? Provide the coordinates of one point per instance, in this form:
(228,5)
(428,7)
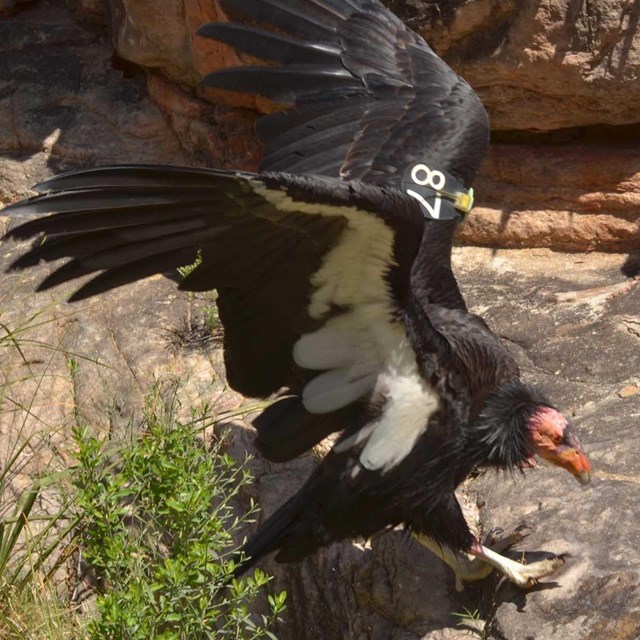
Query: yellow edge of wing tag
(464,201)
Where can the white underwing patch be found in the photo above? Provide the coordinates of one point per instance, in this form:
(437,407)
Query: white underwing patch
(336,388)
(353,271)
(405,417)
(355,344)
(331,346)
(364,348)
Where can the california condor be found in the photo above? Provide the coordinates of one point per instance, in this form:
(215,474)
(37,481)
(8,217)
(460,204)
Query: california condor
(333,268)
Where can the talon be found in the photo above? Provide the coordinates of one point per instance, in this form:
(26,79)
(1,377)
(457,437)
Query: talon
(517,535)
(493,536)
(523,575)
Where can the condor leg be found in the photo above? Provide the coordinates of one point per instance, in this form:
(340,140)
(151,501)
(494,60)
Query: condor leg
(522,575)
(481,560)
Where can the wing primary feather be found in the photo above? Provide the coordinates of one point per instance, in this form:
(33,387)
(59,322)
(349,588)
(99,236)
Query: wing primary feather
(314,142)
(335,389)
(137,175)
(150,265)
(284,84)
(270,534)
(286,429)
(79,244)
(281,129)
(269,45)
(126,253)
(86,200)
(130,253)
(74,222)
(317,163)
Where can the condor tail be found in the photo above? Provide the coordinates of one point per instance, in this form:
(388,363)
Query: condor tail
(272,535)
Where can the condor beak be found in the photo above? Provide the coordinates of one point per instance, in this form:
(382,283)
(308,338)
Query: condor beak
(569,455)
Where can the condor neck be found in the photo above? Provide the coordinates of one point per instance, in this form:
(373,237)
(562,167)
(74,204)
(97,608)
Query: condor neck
(500,437)
(432,276)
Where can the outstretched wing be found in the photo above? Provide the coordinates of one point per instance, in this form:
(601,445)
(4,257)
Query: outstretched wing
(372,100)
(311,272)
(366,99)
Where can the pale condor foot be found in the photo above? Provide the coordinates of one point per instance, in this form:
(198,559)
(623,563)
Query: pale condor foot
(481,559)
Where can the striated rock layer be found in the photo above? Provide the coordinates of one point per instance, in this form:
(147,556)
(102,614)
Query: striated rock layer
(572,197)
(546,64)
(561,80)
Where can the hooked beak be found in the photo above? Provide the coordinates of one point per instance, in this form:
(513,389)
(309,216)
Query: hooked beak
(569,455)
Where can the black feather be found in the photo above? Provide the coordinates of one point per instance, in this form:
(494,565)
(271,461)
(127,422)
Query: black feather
(269,536)
(79,244)
(286,429)
(284,83)
(500,438)
(269,45)
(138,176)
(131,272)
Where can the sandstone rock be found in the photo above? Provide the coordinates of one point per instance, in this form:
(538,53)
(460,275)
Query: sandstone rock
(546,65)
(629,391)
(582,355)
(162,35)
(93,10)
(61,104)
(214,134)
(567,197)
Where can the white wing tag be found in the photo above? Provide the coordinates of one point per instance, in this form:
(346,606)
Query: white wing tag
(440,195)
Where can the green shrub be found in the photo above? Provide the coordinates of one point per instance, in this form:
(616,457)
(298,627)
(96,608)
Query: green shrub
(157,528)
(153,518)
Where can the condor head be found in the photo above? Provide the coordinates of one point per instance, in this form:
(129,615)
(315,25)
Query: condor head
(554,440)
(516,424)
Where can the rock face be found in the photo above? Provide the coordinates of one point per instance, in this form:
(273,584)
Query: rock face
(547,64)
(570,197)
(569,68)
(586,355)
(573,323)
(62,105)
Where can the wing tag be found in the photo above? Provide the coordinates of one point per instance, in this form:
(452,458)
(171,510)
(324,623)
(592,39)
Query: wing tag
(440,195)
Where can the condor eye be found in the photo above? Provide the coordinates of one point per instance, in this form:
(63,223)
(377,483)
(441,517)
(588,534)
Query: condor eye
(557,438)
